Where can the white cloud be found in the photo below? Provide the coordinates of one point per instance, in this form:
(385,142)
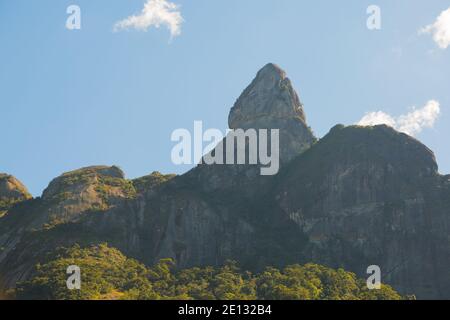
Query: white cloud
(378,117)
(411,123)
(154,14)
(440,29)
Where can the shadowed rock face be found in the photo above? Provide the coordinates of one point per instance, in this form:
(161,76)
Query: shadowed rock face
(359,196)
(372,196)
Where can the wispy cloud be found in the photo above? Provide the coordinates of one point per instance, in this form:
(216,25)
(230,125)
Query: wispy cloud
(440,29)
(411,123)
(154,14)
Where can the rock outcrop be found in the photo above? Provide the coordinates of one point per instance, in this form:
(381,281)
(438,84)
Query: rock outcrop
(74,193)
(270,102)
(12,191)
(360,196)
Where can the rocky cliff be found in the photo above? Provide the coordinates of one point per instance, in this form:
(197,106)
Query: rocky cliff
(357,197)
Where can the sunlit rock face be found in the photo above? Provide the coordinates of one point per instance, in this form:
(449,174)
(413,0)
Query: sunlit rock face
(270,102)
(12,191)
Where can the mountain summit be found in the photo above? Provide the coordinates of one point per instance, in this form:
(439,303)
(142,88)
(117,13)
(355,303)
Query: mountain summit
(270,97)
(270,102)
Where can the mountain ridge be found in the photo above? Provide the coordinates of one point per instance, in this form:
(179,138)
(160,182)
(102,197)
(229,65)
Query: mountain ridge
(357,197)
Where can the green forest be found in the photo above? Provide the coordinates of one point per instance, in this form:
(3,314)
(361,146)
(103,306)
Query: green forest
(106,274)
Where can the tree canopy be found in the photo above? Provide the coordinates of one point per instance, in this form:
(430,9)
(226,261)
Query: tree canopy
(107,274)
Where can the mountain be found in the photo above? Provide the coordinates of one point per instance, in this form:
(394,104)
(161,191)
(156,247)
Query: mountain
(359,196)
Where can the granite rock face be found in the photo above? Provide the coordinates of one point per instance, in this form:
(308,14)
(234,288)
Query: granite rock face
(11,188)
(372,196)
(360,196)
(270,102)
(73,194)
(269,97)
(67,199)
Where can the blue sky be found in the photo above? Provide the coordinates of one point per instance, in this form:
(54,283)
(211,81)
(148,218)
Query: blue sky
(70,99)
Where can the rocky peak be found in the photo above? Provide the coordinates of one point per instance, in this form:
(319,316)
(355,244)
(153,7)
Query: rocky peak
(81,179)
(11,188)
(389,146)
(74,193)
(270,102)
(270,96)
(11,192)
(360,165)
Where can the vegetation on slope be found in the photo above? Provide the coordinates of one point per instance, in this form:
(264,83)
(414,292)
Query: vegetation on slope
(107,274)
(151,181)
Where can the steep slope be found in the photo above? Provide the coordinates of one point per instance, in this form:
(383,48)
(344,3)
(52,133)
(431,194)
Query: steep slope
(67,199)
(269,102)
(209,214)
(202,217)
(371,195)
